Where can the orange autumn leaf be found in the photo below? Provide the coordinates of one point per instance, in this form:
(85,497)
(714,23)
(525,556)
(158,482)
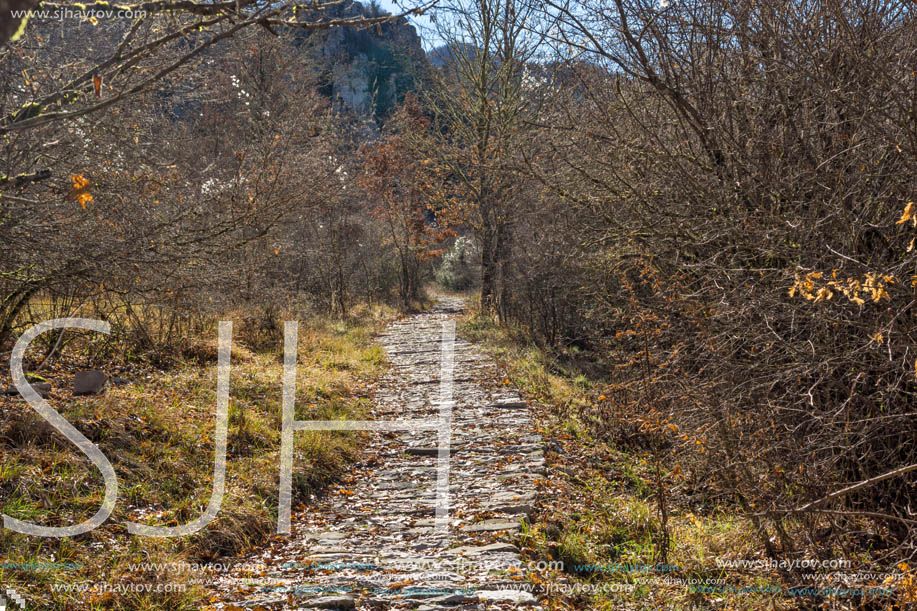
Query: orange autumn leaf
(79,181)
(79,190)
(908,214)
(83,199)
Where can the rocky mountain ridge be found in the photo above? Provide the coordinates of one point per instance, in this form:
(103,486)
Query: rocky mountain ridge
(366,71)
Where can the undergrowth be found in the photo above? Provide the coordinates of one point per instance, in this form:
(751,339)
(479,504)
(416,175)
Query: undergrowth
(597,512)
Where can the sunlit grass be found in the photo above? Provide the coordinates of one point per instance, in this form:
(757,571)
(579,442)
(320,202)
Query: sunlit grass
(600,507)
(157,431)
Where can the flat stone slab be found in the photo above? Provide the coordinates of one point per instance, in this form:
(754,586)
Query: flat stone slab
(42,388)
(330,602)
(493,548)
(430,451)
(449,601)
(518,597)
(489,525)
(512,496)
(523,509)
(260,603)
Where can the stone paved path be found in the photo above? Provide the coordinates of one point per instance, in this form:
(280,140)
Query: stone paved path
(377,544)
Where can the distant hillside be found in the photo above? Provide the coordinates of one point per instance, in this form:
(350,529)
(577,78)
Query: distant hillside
(444,54)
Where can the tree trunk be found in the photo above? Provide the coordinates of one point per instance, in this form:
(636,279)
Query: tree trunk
(502,257)
(10,309)
(488,271)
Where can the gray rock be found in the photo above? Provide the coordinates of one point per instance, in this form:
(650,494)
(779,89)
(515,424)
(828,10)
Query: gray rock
(471,550)
(261,602)
(90,382)
(527,450)
(517,597)
(430,451)
(449,601)
(420,530)
(331,602)
(514,496)
(42,388)
(489,525)
(523,509)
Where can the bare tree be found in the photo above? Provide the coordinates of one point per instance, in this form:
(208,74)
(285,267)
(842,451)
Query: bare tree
(743,172)
(480,105)
(101,158)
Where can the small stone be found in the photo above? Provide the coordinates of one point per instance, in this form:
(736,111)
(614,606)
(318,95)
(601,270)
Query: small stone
(514,509)
(42,388)
(427,451)
(518,597)
(514,496)
(331,602)
(527,450)
(90,382)
(451,600)
(261,603)
(394,486)
(419,531)
(488,525)
(471,550)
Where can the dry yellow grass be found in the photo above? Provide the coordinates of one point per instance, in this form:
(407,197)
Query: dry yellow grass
(157,430)
(600,509)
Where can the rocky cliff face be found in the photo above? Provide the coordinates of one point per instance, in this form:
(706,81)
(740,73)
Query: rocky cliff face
(367,71)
